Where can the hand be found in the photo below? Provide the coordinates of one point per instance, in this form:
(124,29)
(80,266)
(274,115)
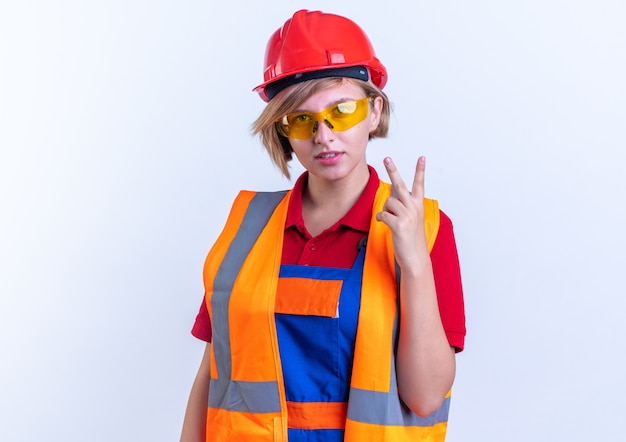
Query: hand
(404,214)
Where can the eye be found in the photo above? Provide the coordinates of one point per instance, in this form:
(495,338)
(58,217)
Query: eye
(347,107)
(300,118)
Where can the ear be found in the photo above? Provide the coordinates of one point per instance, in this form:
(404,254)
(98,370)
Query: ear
(376,110)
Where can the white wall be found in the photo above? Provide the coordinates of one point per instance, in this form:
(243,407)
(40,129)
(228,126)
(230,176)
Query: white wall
(124,137)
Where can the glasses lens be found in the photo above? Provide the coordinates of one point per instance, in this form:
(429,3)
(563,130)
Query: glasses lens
(338,117)
(348,114)
(299,125)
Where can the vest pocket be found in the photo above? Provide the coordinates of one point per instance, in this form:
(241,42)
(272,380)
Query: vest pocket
(309,352)
(314,357)
(304,296)
(307,324)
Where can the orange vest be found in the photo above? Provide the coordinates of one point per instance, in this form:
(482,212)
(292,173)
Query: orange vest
(247,398)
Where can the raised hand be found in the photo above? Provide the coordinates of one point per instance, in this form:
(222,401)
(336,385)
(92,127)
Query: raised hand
(425,360)
(404,214)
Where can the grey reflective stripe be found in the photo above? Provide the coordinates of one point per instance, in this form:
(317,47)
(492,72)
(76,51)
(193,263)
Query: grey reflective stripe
(250,397)
(378,408)
(255,397)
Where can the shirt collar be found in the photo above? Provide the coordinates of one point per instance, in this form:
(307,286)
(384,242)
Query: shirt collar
(357,218)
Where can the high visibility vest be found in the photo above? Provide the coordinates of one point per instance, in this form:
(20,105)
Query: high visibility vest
(247,398)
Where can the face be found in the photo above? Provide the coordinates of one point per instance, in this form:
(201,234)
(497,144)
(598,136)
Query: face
(330,155)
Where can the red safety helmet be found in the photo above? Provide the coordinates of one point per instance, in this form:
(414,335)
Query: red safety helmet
(313,41)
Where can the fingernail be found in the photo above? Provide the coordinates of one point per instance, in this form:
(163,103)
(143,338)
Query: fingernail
(388,161)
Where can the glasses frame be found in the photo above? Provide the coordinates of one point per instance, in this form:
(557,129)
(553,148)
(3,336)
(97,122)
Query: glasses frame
(324,116)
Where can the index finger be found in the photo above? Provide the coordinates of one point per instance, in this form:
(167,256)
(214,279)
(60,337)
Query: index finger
(396,180)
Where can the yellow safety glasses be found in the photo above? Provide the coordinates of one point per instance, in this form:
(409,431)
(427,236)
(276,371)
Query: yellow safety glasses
(338,117)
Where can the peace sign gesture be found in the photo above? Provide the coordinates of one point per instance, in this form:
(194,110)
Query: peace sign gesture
(404,214)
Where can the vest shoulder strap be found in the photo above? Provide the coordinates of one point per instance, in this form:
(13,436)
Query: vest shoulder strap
(259,207)
(248,215)
(263,204)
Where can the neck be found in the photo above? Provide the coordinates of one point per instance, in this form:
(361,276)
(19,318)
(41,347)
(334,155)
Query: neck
(326,202)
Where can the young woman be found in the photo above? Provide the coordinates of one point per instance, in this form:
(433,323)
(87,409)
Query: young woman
(332,311)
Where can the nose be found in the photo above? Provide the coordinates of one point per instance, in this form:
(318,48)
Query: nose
(322,133)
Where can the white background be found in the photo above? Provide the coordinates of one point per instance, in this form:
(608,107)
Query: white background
(124,136)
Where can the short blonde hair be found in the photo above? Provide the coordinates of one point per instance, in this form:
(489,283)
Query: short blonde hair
(289,99)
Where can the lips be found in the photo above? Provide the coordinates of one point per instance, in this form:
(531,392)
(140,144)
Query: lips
(329,158)
(327,155)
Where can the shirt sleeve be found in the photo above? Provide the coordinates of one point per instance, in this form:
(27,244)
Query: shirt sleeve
(202,326)
(447,274)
